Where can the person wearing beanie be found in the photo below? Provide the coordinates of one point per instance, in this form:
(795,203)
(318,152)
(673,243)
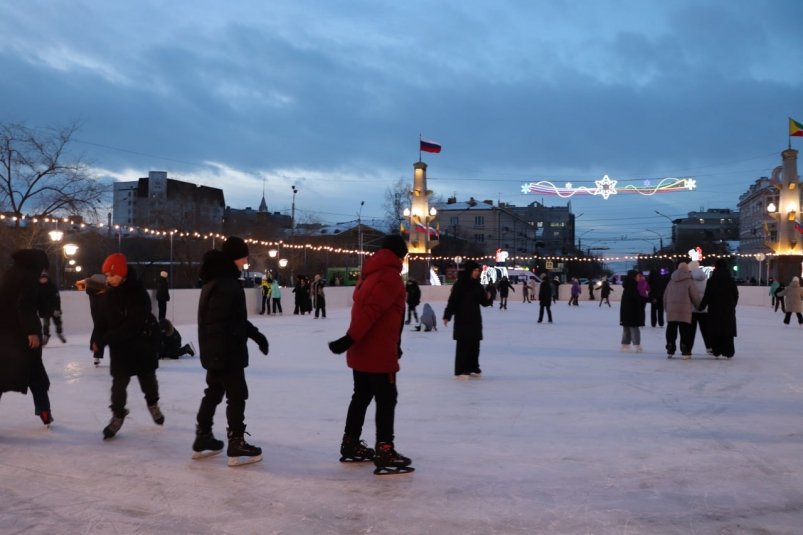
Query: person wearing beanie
(373,343)
(122,325)
(162,294)
(680,299)
(21,365)
(465,300)
(223,333)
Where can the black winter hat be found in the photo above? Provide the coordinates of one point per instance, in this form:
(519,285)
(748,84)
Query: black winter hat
(395,243)
(470,266)
(234,248)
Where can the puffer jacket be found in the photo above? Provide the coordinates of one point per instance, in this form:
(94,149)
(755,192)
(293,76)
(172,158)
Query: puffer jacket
(377,315)
(792,296)
(124,311)
(699,279)
(223,326)
(680,296)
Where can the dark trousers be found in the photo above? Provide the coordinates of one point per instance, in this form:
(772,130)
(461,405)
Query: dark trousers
(368,386)
(686,337)
(162,309)
(467,357)
(46,325)
(657,313)
(788,316)
(147,383)
(503,302)
(411,311)
(231,384)
(320,306)
(277,304)
(779,301)
(265,305)
(39,383)
(701,320)
(544,306)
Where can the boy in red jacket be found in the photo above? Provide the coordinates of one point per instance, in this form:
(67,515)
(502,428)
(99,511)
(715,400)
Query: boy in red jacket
(373,341)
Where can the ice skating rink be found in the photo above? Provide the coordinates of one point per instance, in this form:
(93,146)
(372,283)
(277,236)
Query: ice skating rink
(563,434)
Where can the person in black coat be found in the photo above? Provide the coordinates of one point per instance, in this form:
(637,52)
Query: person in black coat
(657,279)
(94,286)
(631,312)
(413,299)
(125,311)
(162,294)
(721,296)
(48,304)
(223,333)
(465,300)
(504,288)
(21,365)
(545,299)
(171,347)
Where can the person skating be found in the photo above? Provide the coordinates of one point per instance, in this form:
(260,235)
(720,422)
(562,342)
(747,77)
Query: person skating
(48,304)
(631,312)
(605,293)
(574,299)
(720,298)
(680,298)
(373,342)
(94,287)
(265,289)
(657,281)
(223,333)
(791,296)
(504,288)
(525,291)
(544,299)
(465,300)
(276,296)
(125,313)
(162,294)
(428,319)
(318,295)
(699,315)
(21,366)
(413,299)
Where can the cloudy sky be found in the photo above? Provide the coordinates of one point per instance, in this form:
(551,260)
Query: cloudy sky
(332,97)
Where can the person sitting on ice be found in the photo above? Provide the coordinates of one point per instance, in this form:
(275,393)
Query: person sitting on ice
(171,342)
(428,319)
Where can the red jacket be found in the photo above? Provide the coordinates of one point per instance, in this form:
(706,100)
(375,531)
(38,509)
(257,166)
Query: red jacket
(377,315)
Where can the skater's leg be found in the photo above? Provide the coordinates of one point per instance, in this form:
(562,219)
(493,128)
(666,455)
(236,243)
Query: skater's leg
(541,308)
(360,399)
(149,386)
(236,395)
(162,309)
(671,337)
(213,395)
(686,338)
(461,357)
(626,336)
(45,329)
(635,336)
(473,356)
(386,395)
(119,395)
(39,383)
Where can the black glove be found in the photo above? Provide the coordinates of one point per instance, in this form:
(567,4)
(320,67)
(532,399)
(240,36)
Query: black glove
(262,342)
(341,344)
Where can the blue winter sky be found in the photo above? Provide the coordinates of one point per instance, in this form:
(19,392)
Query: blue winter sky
(332,96)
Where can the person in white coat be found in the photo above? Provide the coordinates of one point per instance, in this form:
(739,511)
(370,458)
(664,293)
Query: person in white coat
(699,315)
(792,296)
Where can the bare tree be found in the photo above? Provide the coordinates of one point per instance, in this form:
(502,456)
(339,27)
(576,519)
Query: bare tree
(397,198)
(38,177)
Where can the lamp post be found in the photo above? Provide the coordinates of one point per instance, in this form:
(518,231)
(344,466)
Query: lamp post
(273,253)
(56,236)
(672,221)
(760,258)
(580,239)
(660,238)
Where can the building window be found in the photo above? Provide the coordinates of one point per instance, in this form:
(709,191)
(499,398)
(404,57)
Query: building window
(479,220)
(454,221)
(479,238)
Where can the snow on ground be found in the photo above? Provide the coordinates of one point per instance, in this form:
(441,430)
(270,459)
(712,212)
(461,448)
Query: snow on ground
(563,434)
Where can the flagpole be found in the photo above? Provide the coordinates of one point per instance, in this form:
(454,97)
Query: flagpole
(419,146)
(789,134)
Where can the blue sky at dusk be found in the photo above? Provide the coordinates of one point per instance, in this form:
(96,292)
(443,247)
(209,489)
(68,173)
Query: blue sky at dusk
(332,97)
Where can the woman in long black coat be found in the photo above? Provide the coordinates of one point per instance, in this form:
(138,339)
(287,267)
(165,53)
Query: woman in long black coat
(464,304)
(21,365)
(631,312)
(721,296)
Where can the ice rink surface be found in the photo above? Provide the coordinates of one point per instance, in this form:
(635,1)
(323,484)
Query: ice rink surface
(563,434)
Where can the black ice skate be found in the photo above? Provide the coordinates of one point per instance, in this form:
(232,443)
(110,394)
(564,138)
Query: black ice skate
(241,452)
(355,451)
(388,461)
(61,337)
(205,444)
(114,426)
(156,414)
(47,417)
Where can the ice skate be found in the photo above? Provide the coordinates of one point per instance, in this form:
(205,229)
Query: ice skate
(475,375)
(205,444)
(61,337)
(388,461)
(637,349)
(45,340)
(355,451)
(241,452)
(114,426)
(97,362)
(156,414)
(192,349)
(625,348)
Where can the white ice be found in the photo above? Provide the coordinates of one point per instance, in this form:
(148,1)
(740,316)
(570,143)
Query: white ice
(563,434)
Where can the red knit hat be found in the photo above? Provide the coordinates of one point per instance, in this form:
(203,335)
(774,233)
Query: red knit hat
(115,264)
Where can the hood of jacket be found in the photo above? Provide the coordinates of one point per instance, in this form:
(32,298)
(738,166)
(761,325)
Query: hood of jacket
(681,273)
(698,274)
(382,259)
(215,265)
(33,260)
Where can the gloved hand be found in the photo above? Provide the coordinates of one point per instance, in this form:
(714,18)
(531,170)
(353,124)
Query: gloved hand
(341,344)
(57,313)
(262,342)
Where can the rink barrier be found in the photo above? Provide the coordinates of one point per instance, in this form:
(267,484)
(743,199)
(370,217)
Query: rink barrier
(182,309)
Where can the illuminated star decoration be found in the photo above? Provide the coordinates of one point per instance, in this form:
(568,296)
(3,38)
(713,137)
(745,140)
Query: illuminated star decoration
(606,187)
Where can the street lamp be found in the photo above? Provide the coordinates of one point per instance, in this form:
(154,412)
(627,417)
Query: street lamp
(580,239)
(56,236)
(660,238)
